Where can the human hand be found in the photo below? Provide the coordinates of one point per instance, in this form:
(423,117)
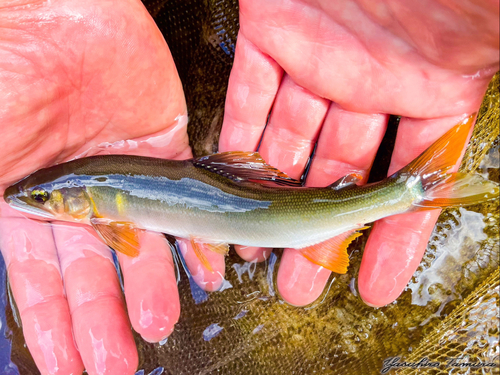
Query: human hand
(79,76)
(332,71)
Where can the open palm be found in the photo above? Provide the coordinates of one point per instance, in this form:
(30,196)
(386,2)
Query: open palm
(77,78)
(332,72)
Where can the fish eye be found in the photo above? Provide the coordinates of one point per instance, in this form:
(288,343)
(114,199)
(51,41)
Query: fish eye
(41,196)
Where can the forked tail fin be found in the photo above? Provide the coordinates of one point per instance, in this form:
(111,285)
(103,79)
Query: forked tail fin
(442,189)
(459,189)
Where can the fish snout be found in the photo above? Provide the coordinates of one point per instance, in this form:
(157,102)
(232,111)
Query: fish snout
(10,193)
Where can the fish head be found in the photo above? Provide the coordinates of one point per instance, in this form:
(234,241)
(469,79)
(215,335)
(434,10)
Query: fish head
(41,194)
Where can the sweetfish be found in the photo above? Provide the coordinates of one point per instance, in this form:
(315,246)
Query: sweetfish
(235,197)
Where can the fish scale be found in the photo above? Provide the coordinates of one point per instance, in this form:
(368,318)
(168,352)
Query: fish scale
(208,207)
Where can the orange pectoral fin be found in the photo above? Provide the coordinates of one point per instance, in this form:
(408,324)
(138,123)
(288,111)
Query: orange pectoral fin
(120,235)
(199,246)
(332,253)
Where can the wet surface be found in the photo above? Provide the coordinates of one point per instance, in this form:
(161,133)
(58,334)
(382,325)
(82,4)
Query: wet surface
(249,327)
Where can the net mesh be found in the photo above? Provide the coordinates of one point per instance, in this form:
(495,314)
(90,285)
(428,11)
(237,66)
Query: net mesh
(449,308)
(202,38)
(469,333)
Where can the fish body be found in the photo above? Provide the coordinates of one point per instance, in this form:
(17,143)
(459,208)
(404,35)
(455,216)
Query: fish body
(178,198)
(234,198)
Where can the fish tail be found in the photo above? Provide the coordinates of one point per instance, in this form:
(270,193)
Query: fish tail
(441,188)
(459,189)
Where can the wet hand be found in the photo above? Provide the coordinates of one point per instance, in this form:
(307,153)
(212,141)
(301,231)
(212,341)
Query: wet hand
(330,73)
(78,78)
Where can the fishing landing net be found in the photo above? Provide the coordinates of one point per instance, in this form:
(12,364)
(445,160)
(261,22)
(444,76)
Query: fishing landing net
(450,307)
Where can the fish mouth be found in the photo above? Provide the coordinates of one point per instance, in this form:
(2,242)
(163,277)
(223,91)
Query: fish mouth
(10,192)
(18,202)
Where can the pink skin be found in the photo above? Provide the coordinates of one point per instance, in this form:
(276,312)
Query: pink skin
(92,287)
(153,310)
(40,295)
(77,79)
(208,280)
(429,62)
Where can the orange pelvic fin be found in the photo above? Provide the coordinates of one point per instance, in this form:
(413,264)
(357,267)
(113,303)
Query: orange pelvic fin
(199,247)
(245,166)
(332,253)
(120,235)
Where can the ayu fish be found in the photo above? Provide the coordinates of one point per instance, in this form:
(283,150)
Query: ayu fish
(235,197)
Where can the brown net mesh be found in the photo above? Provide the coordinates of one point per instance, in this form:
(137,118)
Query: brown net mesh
(202,38)
(470,333)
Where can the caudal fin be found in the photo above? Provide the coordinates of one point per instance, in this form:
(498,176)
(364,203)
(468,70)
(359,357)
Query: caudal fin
(442,189)
(432,164)
(459,189)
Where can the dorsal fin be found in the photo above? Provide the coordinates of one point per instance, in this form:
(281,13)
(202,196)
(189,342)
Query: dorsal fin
(347,181)
(243,166)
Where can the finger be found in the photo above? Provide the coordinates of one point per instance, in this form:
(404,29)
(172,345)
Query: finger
(253,254)
(348,143)
(206,279)
(253,84)
(151,288)
(397,243)
(149,279)
(33,268)
(289,138)
(299,281)
(293,128)
(100,324)
(252,87)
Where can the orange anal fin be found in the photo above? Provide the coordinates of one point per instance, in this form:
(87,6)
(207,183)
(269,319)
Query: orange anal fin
(122,236)
(199,247)
(243,166)
(332,253)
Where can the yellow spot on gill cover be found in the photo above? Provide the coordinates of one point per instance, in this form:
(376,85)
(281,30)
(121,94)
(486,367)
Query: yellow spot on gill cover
(57,201)
(56,195)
